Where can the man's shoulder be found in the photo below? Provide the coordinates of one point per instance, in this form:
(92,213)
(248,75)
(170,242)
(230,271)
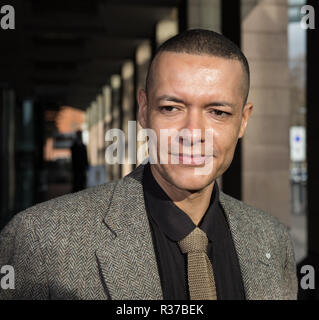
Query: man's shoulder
(79,207)
(75,205)
(251,215)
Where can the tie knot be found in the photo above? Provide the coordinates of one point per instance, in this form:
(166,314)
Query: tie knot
(196,241)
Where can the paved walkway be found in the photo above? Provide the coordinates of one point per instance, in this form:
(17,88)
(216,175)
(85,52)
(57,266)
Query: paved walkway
(298,233)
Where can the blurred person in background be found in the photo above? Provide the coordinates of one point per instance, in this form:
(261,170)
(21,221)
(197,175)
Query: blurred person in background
(79,162)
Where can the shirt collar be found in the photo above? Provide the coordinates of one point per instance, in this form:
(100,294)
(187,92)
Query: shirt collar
(173,221)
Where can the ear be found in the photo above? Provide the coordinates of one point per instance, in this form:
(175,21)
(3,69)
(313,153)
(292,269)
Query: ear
(142,108)
(247,110)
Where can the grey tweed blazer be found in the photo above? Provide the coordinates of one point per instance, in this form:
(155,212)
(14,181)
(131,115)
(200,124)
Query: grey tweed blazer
(97,244)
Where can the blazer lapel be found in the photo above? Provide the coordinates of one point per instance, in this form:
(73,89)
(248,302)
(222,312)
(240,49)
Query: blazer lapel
(126,254)
(255,253)
(127,259)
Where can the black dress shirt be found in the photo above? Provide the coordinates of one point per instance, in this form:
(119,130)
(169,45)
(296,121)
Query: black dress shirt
(170,224)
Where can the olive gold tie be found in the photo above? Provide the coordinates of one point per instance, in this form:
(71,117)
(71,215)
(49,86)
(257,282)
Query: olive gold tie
(201,280)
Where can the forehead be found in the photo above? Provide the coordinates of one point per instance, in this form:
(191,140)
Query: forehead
(196,74)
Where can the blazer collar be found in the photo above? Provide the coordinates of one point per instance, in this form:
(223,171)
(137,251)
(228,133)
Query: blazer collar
(254,248)
(126,254)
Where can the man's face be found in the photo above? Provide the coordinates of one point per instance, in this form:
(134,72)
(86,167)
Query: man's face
(195,92)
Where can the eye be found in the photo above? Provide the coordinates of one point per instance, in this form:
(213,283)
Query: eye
(167,109)
(220,113)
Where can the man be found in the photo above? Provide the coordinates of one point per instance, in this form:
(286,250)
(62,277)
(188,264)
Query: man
(79,162)
(142,237)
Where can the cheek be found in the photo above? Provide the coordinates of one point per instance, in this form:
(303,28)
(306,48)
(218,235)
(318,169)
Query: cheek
(225,140)
(152,122)
(155,121)
(156,124)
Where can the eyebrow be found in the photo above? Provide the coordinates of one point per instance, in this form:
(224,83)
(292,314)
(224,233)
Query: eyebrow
(170,98)
(220,104)
(210,104)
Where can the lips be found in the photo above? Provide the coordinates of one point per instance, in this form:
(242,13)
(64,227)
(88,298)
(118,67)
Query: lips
(192,159)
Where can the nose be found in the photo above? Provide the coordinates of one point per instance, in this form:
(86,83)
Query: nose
(193,129)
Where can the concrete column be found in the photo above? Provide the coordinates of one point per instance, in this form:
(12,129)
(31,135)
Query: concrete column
(312,99)
(143,58)
(313,137)
(88,118)
(106,91)
(100,130)
(166,29)
(116,115)
(128,109)
(94,135)
(231,29)
(204,14)
(266,143)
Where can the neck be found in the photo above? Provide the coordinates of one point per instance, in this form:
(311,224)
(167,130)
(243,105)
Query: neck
(194,204)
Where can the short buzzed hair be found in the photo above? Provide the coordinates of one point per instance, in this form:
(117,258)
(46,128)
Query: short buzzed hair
(202,42)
